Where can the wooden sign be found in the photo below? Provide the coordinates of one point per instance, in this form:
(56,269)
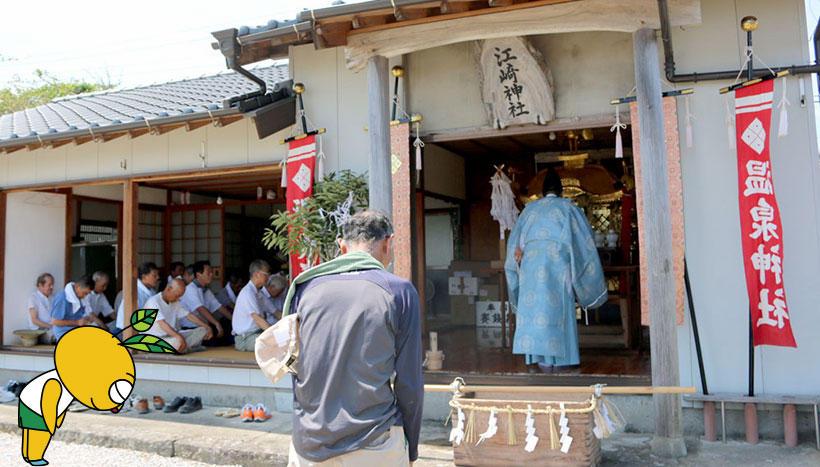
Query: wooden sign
(516,85)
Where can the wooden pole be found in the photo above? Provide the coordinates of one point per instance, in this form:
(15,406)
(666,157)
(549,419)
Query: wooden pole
(3,201)
(130,211)
(563,389)
(378,101)
(668,440)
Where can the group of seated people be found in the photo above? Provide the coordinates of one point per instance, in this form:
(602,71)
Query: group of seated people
(190,316)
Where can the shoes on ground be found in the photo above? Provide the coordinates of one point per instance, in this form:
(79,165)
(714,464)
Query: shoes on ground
(260,414)
(231,413)
(141,406)
(192,404)
(247,413)
(175,404)
(159,403)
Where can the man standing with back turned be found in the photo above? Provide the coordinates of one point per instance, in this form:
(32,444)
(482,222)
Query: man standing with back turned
(358,390)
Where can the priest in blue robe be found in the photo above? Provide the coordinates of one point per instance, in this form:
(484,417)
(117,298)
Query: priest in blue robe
(551,263)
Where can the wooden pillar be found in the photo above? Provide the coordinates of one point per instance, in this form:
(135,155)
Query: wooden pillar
(668,440)
(130,212)
(3,199)
(378,102)
(69,232)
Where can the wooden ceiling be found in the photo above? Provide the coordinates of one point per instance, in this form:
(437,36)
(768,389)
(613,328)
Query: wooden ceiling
(526,145)
(232,186)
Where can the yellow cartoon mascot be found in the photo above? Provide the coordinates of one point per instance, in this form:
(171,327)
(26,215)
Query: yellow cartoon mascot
(93,367)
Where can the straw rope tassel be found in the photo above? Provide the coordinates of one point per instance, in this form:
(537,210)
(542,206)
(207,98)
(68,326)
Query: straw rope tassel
(730,122)
(469,432)
(511,439)
(553,432)
(615,415)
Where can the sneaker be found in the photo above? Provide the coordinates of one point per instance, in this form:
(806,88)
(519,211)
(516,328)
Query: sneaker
(192,404)
(247,413)
(261,413)
(159,403)
(175,404)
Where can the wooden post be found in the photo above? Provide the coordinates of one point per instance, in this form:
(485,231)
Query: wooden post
(668,440)
(130,212)
(380,182)
(3,199)
(69,232)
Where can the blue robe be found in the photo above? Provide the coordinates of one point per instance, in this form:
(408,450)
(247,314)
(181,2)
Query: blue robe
(560,265)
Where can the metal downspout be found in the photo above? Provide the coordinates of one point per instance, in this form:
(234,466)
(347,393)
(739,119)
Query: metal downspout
(669,57)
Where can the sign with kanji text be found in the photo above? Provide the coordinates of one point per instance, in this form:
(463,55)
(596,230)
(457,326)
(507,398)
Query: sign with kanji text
(488,314)
(760,226)
(516,84)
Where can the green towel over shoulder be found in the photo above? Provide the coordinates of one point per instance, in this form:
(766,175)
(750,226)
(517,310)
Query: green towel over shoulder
(355,261)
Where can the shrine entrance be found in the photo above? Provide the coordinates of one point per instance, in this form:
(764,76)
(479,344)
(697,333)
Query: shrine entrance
(465,294)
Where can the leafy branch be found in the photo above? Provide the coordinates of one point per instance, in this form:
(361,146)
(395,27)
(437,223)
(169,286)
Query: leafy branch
(312,229)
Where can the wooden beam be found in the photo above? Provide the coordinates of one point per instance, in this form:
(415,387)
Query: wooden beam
(81,140)
(359,22)
(112,135)
(130,196)
(380,177)
(12,149)
(461,14)
(518,144)
(137,133)
(498,3)
(654,190)
(69,232)
(3,199)
(557,125)
(161,130)
(449,7)
(191,126)
(225,121)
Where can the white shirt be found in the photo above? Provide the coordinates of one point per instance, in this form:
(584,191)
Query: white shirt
(42,304)
(171,313)
(98,304)
(271,305)
(195,297)
(246,303)
(33,392)
(143,294)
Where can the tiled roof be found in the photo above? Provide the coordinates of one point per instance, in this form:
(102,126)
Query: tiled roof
(110,109)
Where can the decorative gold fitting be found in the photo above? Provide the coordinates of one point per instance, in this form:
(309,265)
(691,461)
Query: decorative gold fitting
(397,71)
(298,88)
(749,23)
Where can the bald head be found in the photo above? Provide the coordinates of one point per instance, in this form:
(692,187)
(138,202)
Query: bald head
(174,290)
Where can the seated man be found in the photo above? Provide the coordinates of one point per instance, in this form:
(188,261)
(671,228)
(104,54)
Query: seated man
(177,269)
(148,279)
(248,314)
(227,296)
(69,305)
(39,307)
(98,306)
(272,298)
(170,311)
(188,275)
(201,302)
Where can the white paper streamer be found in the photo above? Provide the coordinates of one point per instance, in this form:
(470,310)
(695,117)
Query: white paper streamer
(689,117)
(529,424)
(783,128)
(730,122)
(563,426)
(617,127)
(457,433)
(492,428)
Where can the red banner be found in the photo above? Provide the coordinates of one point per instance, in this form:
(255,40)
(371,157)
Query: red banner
(299,170)
(761,230)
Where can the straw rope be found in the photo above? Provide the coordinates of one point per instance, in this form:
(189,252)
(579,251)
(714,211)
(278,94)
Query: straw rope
(456,403)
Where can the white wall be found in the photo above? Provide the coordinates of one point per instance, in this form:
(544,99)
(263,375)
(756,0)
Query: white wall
(711,205)
(146,195)
(32,248)
(233,145)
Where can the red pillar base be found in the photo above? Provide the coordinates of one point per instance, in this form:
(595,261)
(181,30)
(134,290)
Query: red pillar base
(750,412)
(709,428)
(790,425)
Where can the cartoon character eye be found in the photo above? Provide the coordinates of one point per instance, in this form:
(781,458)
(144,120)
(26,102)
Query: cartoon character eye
(119,391)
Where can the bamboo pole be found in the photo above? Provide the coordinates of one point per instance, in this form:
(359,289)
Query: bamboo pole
(563,389)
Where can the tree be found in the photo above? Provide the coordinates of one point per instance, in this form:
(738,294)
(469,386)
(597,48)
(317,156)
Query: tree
(21,95)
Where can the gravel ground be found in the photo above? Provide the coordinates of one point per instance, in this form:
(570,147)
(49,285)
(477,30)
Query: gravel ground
(81,455)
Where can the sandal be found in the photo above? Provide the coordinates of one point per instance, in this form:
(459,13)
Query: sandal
(231,413)
(159,403)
